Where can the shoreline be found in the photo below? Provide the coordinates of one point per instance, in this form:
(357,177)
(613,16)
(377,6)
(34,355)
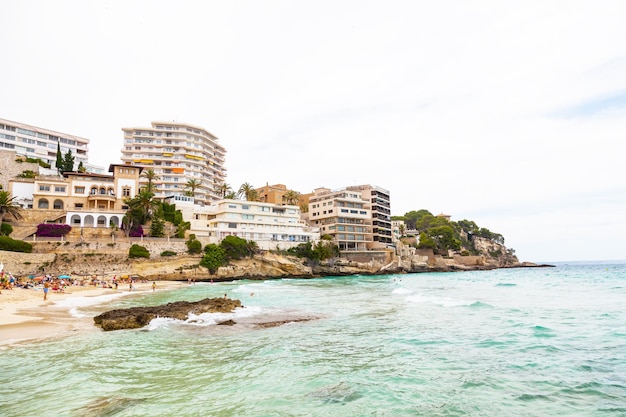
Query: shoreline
(25,317)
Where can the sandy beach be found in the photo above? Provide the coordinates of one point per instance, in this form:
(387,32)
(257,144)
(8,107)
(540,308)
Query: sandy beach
(25,316)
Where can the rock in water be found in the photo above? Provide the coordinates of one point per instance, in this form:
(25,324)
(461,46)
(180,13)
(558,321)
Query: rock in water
(137,317)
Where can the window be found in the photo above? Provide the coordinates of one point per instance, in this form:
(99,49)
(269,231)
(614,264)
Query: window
(232,225)
(59,188)
(44,188)
(126,191)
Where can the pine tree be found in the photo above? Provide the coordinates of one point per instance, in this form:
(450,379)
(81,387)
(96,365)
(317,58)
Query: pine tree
(68,162)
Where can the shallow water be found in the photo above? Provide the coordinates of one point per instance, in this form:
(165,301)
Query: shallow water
(518,342)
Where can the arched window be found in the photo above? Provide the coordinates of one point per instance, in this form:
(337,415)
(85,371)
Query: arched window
(43,204)
(103,191)
(110,191)
(88,221)
(58,204)
(94,191)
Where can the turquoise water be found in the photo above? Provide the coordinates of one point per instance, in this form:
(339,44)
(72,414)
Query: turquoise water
(515,342)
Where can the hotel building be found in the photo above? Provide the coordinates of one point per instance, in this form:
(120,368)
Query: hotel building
(381,213)
(39,143)
(177,153)
(344,215)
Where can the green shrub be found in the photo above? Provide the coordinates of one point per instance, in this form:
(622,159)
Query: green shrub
(138,251)
(168,253)
(214,257)
(237,248)
(6,229)
(12,245)
(194,246)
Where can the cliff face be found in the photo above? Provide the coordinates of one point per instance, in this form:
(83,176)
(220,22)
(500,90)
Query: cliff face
(109,261)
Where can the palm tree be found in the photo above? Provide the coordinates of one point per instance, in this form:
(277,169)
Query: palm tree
(191,186)
(231,195)
(144,203)
(223,189)
(248,192)
(291,197)
(8,206)
(151,176)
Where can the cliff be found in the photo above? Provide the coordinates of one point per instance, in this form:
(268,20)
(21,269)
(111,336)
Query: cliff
(109,261)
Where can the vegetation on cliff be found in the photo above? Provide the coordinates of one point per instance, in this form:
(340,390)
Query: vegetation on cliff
(230,248)
(441,235)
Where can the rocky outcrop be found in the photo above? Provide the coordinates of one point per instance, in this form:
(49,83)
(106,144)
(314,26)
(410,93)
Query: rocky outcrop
(266,265)
(137,317)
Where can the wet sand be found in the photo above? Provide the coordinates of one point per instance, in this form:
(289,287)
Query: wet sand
(25,316)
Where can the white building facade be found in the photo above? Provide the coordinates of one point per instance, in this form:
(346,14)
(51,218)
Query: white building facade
(269,225)
(40,143)
(177,153)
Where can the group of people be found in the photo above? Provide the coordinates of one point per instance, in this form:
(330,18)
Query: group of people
(7,281)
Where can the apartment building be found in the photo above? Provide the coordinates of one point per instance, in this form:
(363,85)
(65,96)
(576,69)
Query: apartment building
(279,194)
(178,153)
(269,225)
(40,143)
(382,231)
(344,215)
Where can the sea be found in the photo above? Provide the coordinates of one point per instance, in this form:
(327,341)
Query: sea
(508,342)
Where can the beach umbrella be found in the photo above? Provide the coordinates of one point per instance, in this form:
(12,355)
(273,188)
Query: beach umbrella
(64,276)
(38,278)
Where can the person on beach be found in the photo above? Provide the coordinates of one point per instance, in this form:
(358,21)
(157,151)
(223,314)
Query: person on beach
(46,288)
(153,286)
(130,285)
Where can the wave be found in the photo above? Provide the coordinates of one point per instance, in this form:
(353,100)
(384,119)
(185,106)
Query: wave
(506,284)
(479,304)
(74,304)
(206,319)
(401,291)
(440,301)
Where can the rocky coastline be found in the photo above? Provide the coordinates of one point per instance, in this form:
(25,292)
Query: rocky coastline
(105,264)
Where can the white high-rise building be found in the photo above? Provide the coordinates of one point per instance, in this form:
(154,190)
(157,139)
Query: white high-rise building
(39,143)
(178,153)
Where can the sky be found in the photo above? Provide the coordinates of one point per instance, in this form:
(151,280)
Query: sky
(511,114)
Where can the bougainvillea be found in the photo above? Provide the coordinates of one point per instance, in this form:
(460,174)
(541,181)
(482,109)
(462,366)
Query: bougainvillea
(136,232)
(53,229)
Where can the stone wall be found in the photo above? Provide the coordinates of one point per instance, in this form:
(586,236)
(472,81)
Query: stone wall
(19,263)
(9,168)
(383,256)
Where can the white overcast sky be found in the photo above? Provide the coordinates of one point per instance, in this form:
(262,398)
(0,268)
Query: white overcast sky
(508,113)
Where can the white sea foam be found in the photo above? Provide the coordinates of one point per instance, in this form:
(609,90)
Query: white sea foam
(440,301)
(401,291)
(207,319)
(74,304)
(160,322)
